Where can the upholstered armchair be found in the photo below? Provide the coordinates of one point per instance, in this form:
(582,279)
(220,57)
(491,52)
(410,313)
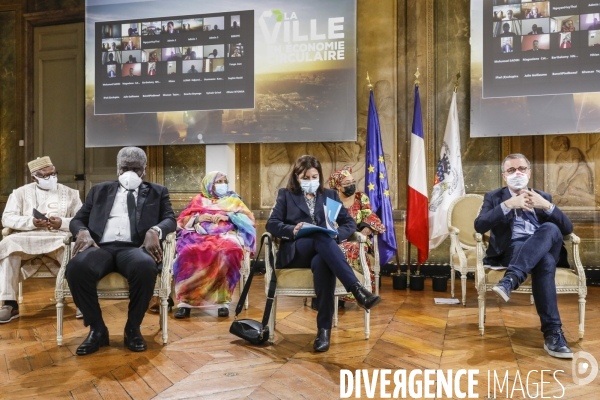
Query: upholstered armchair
(42,272)
(463,255)
(298,282)
(114,286)
(568,280)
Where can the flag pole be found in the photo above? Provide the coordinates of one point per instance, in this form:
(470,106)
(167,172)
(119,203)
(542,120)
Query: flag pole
(418,272)
(456,82)
(370,86)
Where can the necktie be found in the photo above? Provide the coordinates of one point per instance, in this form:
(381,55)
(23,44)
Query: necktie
(131,211)
(528,215)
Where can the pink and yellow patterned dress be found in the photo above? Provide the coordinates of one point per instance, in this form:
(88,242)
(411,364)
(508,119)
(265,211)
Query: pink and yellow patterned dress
(209,256)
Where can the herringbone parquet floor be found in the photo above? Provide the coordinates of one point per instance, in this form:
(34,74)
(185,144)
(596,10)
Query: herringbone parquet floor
(202,360)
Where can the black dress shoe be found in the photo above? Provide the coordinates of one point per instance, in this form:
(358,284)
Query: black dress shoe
(322,340)
(182,312)
(93,342)
(134,340)
(364,298)
(223,312)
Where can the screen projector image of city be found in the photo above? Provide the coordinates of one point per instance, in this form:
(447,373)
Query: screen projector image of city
(190,71)
(535,67)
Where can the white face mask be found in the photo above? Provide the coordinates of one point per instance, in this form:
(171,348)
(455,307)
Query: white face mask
(309,186)
(221,189)
(517,180)
(47,184)
(130,180)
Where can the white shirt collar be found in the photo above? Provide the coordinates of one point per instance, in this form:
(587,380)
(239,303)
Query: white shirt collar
(122,189)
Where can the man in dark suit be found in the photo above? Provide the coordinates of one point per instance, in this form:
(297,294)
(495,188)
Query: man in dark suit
(119,229)
(527,237)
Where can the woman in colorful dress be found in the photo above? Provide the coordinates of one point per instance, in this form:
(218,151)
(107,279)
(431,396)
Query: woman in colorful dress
(359,208)
(214,230)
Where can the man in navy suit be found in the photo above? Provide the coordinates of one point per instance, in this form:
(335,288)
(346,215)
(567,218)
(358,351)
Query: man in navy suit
(119,229)
(527,237)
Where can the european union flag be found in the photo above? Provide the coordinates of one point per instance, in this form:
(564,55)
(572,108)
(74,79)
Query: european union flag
(376,185)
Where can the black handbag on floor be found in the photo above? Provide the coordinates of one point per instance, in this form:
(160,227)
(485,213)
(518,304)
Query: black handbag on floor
(248,329)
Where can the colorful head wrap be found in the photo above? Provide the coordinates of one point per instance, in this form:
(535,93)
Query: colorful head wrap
(206,187)
(336,178)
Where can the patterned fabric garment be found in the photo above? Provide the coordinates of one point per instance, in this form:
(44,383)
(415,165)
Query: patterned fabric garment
(311,207)
(365,217)
(209,256)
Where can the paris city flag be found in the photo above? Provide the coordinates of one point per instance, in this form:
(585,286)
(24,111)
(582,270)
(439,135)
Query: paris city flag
(376,185)
(417,222)
(449,183)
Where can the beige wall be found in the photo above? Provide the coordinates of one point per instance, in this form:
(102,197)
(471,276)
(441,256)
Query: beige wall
(394,38)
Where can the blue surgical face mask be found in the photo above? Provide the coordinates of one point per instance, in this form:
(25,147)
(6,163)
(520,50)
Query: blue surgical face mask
(309,186)
(221,189)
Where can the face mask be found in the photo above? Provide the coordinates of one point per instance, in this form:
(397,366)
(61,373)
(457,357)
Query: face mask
(47,184)
(349,190)
(221,189)
(309,186)
(130,180)
(517,181)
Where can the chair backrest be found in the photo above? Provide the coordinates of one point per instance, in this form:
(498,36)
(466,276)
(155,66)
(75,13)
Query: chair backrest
(462,214)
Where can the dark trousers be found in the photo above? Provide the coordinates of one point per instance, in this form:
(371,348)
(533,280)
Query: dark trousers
(87,268)
(537,255)
(322,255)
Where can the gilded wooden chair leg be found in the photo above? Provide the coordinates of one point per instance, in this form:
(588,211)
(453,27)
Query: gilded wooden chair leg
(335,311)
(463,287)
(164,312)
(452,273)
(532,300)
(581,315)
(481,300)
(59,321)
(367,324)
(20,292)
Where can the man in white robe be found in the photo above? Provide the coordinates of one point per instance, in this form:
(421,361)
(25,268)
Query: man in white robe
(28,242)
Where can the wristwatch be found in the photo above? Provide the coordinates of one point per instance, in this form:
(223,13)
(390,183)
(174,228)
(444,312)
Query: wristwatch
(157,230)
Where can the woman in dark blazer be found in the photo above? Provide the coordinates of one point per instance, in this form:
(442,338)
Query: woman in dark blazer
(302,202)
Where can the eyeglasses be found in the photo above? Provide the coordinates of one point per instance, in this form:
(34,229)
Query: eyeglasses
(45,177)
(512,170)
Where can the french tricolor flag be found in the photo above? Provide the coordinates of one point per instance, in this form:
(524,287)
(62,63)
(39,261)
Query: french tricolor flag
(417,215)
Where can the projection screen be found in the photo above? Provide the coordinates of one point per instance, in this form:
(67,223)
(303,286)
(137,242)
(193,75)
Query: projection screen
(196,71)
(535,67)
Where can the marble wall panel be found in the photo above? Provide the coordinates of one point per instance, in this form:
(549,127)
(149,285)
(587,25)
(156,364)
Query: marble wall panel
(184,168)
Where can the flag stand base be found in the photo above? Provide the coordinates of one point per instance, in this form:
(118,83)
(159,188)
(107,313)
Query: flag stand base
(417,282)
(399,281)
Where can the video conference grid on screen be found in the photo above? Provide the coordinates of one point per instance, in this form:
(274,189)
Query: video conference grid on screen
(194,62)
(541,47)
